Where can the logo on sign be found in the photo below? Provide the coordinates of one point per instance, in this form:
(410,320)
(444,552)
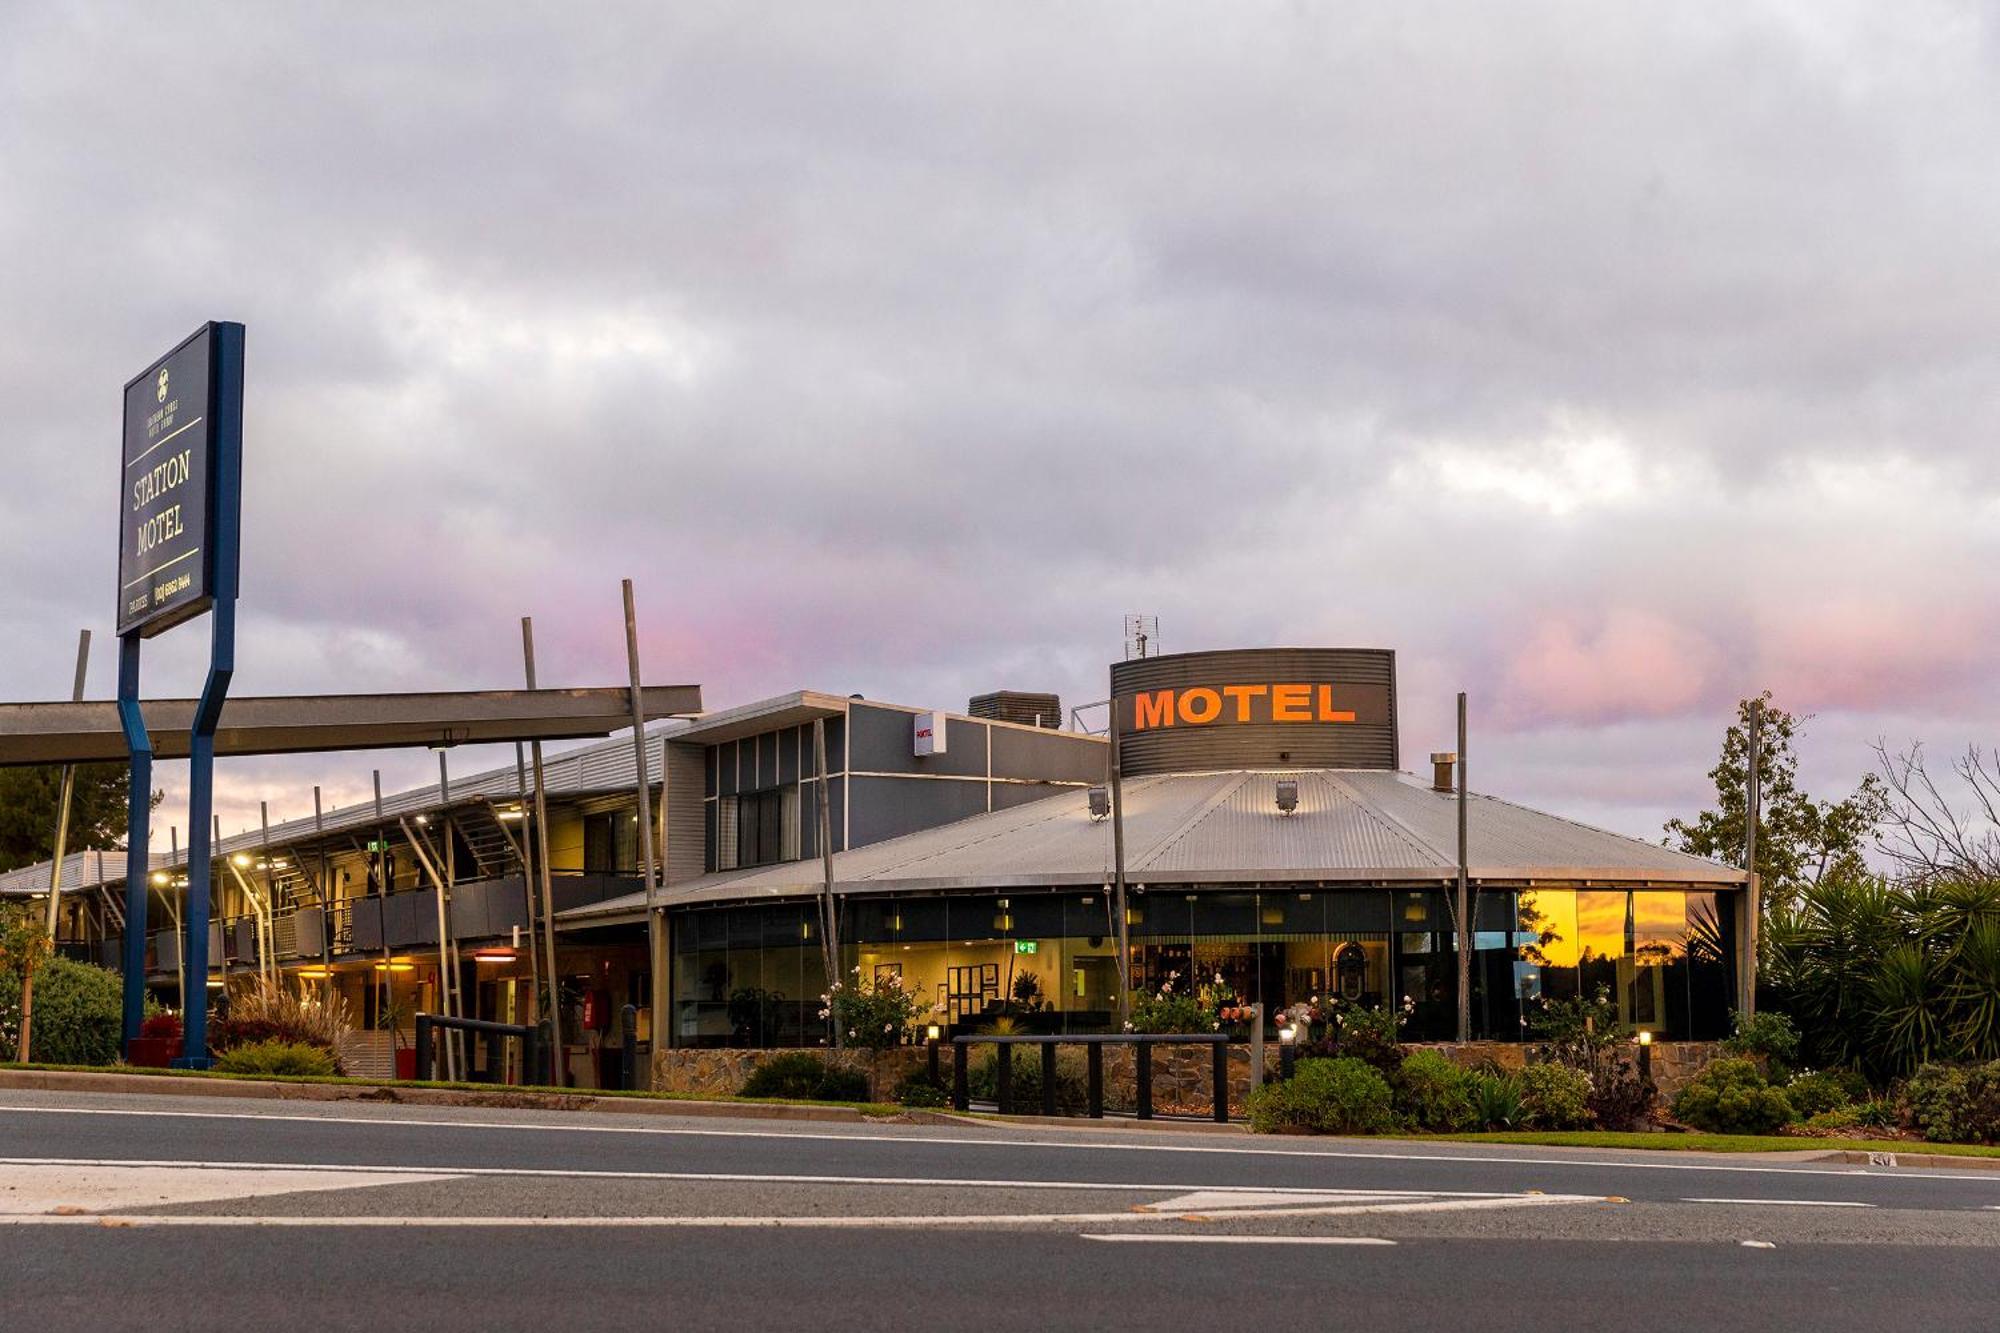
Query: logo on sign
(160,391)
(1202,705)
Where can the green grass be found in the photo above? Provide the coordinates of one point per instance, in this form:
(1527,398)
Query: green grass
(865,1108)
(1717,1142)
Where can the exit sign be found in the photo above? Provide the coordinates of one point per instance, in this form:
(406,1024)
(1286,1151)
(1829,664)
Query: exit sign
(1026,946)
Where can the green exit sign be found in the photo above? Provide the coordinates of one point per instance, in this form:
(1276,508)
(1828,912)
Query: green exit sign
(1026,946)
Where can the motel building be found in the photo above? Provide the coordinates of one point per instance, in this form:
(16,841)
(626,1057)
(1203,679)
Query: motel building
(1269,835)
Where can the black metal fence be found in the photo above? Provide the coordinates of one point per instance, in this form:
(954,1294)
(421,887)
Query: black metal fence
(534,1047)
(961,1092)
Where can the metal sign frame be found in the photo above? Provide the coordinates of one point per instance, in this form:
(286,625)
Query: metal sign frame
(220,558)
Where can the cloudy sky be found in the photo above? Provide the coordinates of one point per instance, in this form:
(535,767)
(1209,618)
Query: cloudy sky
(1609,365)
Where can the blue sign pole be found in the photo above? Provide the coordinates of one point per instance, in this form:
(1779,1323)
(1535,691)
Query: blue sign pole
(137,834)
(225,530)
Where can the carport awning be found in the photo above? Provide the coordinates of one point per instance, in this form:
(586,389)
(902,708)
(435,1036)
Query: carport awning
(82,733)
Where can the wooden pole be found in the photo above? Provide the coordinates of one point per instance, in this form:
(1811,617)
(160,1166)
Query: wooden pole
(1753,890)
(655,932)
(55,865)
(829,921)
(1465,921)
(1119,910)
(559,1058)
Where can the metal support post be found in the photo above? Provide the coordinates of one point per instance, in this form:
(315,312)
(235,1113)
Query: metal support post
(1094,1080)
(1753,889)
(1219,1076)
(138,866)
(1119,909)
(961,1096)
(1257,1045)
(828,912)
(1048,1078)
(1142,1053)
(1465,921)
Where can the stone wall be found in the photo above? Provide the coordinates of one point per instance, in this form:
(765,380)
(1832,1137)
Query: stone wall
(722,1072)
(1181,1074)
(1674,1062)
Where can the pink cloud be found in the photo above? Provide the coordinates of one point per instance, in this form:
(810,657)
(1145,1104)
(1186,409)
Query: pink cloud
(1630,664)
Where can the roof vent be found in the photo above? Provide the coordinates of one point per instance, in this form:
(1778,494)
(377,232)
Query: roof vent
(1019,706)
(1100,803)
(1288,795)
(1442,763)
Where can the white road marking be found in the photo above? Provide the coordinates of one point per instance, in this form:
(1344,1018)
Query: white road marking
(1789,1203)
(954,1141)
(45,1187)
(1179,1239)
(742,1177)
(1757,1245)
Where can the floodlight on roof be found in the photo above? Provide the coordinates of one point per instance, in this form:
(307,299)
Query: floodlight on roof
(1288,795)
(1100,803)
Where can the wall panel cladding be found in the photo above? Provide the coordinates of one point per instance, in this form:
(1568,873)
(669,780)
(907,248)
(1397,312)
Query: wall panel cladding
(1362,680)
(1051,756)
(890,807)
(885,742)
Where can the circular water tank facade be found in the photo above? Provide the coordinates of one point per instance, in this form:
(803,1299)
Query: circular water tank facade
(1256,708)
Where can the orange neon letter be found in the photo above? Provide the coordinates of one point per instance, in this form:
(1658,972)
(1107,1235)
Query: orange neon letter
(1152,710)
(1243,694)
(1291,703)
(1200,705)
(1327,712)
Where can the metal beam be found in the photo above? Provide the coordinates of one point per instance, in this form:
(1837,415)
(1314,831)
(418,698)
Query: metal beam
(88,733)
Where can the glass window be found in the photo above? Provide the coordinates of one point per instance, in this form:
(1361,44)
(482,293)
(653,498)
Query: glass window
(1604,945)
(1545,948)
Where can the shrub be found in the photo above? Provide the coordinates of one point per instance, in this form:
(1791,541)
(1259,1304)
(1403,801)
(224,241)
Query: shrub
(1769,1036)
(1951,1104)
(79,1013)
(1072,1080)
(276,1057)
(272,1011)
(1732,1097)
(1842,1117)
(803,1076)
(1434,1094)
(161,1027)
(1339,1096)
(918,1088)
(1181,1006)
(1584,1034)
(1373,1036)
(1498,1100)
(874,1013)
(1813,1094)
(1555,1096)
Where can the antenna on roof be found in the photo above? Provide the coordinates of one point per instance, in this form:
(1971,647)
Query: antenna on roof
(1142,636)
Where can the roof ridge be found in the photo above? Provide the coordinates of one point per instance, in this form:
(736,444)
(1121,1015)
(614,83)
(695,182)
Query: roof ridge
(1187,826)
(1387,817)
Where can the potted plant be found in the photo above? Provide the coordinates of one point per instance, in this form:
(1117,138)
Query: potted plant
(158,1044)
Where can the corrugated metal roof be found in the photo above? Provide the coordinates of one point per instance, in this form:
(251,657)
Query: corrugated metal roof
(602,766)
(1225,827)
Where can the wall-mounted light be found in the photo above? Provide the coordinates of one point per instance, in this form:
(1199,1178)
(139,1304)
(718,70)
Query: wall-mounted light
(161,879)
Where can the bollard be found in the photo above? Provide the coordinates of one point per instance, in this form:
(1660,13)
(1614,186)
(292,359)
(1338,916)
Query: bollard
(1143,1056)
(628,1030)
(931,1061)
(961,1098)
(1004,1078)
(1219,1070)
(424,1045)
(1094,1092)
(533,1072)
(1048,1078)
(1288,1059)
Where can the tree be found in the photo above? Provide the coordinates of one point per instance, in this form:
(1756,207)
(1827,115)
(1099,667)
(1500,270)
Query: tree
(1800,841)
(30,798)
(1930,837)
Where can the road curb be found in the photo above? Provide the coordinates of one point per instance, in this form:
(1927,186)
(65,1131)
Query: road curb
(157,1085)
(1932,1159)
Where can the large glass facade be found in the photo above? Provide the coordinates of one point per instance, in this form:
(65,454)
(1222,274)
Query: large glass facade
(1047,960)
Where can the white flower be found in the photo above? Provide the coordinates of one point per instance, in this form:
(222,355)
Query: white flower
(888,1027)
(852,1033)
(826,1013)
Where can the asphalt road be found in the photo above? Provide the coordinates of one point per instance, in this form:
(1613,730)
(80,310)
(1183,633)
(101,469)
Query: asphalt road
(161,1213)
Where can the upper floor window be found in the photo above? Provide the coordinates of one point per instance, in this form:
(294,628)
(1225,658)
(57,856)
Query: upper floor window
(757,828)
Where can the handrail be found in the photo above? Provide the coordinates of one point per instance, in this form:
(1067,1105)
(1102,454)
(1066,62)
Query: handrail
(534,1051)
(1093,1044)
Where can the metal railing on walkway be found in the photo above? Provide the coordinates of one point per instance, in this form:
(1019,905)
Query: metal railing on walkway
(534,1048)
(961,1090)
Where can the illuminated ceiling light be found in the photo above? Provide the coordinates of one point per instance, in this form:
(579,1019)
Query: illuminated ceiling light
(239,860)
(1274,916)
(395,967)
(494,955)
(161,879)
(511,813)
(422,820)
